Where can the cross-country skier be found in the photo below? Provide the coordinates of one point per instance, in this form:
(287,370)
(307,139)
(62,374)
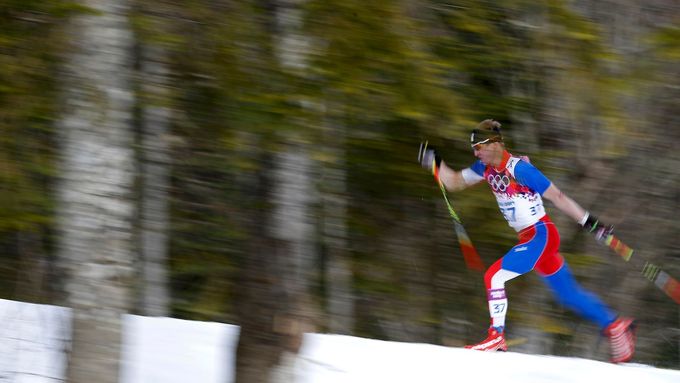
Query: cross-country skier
(519,187)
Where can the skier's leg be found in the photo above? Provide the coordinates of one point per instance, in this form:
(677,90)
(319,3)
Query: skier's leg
(620,331)
(522,258)
(534,242)
(494,280)
(576,298)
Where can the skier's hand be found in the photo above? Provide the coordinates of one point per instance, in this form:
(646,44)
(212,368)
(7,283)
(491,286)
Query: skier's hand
(598,228)
(428,157)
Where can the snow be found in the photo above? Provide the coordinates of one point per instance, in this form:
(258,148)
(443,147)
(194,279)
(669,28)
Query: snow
(33,342)
(335,359)
(173,350)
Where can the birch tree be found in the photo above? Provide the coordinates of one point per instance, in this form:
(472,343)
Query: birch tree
(95,210)
(155,169)
(288,230)
(338,271)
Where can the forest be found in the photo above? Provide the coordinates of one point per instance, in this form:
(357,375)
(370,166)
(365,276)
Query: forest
(254,162)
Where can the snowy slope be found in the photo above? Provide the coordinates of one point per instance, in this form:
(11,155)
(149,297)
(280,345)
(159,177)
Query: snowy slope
(335,359)
(34,339)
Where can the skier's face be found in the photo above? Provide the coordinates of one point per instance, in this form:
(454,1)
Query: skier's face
(487,153)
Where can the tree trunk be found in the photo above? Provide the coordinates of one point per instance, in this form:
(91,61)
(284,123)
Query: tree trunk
(95,210)
(272,301)
(275,310)
(338,273)
(155,299)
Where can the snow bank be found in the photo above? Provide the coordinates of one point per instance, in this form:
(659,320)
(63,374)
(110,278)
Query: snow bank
(34,340)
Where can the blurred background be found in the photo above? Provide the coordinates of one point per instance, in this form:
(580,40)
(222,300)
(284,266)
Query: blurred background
(254,162)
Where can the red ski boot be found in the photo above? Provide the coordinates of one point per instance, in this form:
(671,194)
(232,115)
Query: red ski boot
(494,342)
(621,334)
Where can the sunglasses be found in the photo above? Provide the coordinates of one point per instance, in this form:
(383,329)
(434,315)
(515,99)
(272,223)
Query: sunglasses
(479,138)
(479,145)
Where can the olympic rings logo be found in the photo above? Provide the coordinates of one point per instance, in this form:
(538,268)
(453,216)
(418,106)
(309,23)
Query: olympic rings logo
(499,183)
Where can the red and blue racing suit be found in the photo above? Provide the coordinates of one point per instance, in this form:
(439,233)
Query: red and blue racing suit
(518,186)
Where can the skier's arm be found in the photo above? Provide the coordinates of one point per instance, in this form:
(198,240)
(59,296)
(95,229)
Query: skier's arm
(562,201)
(452,179)
(569,207)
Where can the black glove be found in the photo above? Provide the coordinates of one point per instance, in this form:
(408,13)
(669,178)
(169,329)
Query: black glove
(428,157)
(597,228)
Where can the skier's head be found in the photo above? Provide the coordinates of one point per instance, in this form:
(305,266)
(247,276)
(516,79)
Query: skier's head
(487,131)
(487,142)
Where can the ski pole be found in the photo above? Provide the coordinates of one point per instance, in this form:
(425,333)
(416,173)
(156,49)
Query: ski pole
(651,271)
(470,255)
